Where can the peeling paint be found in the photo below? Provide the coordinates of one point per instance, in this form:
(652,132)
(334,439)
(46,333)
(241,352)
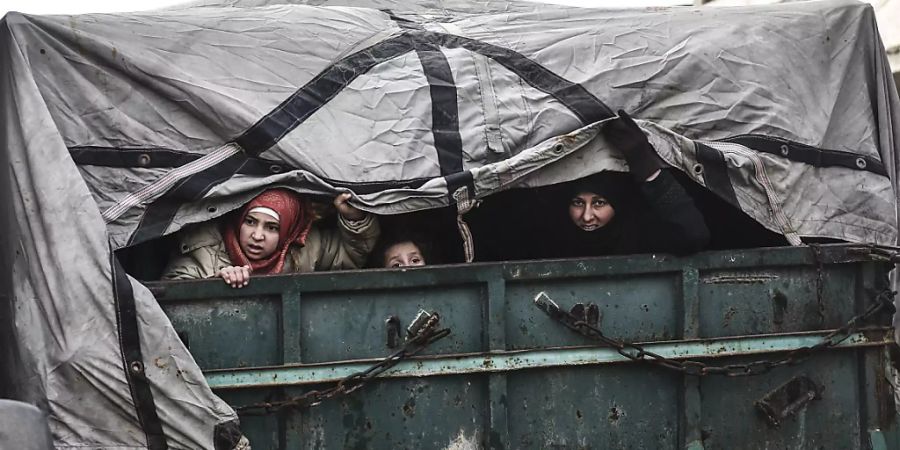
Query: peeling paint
(463,442)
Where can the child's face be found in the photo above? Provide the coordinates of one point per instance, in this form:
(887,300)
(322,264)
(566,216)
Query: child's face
(403,254)
(258,236)
(590,211)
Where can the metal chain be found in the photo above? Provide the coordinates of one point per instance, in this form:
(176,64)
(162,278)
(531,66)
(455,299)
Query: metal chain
(883,303)
(820,280)
(422,338)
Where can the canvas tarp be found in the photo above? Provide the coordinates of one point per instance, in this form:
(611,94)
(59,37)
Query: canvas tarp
(121,128)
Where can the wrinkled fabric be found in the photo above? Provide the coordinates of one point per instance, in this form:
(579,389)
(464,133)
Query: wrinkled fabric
(23,427)
(118,129)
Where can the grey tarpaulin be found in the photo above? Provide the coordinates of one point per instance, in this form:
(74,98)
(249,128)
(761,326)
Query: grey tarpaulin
(24,427)
(118,129)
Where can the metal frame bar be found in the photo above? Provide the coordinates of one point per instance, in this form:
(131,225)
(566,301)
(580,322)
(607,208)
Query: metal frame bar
(360,280)
(690,411)
(517,360)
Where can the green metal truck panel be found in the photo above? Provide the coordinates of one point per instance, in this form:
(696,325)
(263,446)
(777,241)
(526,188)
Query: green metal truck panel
(509,376)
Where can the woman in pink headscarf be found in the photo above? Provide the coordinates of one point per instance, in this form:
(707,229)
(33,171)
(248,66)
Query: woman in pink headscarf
(273,234)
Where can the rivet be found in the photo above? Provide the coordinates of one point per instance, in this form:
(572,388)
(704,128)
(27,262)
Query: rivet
(698,168)
(785,150)
(136,367)
(275,168)
(212,209)
(558,148)
(861,163)
(143,159)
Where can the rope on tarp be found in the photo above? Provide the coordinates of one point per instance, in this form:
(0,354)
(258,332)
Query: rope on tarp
(464,204)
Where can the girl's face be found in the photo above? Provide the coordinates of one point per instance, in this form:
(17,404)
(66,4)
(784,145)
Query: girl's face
(590,211)
(258,236)
(403,254)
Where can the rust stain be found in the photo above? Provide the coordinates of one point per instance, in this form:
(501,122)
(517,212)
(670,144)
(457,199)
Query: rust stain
(729,314)
(615,413)
(409,408)
(738,279)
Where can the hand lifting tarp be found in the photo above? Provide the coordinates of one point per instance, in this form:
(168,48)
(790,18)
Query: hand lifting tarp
(121,128)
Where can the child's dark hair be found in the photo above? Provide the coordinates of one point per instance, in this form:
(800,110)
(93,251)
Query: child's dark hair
(400,235)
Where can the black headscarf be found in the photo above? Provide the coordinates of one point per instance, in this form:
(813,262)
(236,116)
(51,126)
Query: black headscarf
(616,237)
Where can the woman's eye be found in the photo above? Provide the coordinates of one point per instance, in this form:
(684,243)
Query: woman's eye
(599,203)
(416,260)
(395,265)
(249,221)
(272,228)
(577,202)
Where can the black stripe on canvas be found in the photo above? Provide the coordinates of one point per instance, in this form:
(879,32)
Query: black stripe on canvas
(133,359)
(808,154)
(715,173)
(159,214)
(308,99)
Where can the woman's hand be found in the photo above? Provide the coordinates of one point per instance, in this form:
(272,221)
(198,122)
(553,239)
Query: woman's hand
(236,276)
(624,134)
(347,211)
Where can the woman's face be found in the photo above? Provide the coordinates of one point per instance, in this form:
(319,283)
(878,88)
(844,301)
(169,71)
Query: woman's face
(590,211)
(259,236)
(403,254)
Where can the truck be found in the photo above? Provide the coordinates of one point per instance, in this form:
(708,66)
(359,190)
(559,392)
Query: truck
(120,130)
(762,348)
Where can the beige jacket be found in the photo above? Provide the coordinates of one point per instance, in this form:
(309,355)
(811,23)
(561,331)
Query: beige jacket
(203,254)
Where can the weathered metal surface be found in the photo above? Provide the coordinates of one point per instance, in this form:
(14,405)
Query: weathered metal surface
(528,359)
(510,377)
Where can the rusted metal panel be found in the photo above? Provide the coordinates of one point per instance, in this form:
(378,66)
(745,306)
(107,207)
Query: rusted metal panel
(509,376)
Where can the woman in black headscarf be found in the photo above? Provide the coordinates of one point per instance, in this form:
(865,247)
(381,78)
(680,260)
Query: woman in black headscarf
(646,210)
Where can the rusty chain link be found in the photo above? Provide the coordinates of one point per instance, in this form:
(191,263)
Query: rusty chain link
(883,303)
(420,338)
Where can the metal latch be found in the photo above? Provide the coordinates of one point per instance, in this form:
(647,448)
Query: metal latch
(785,400)
(393,328)
(587,313)
(418,323)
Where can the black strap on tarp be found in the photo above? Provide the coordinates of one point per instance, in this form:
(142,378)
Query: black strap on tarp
(817,157)
(133,359)
(444,104)
(257,167)
(159,214)
(331,81)
(715,173)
